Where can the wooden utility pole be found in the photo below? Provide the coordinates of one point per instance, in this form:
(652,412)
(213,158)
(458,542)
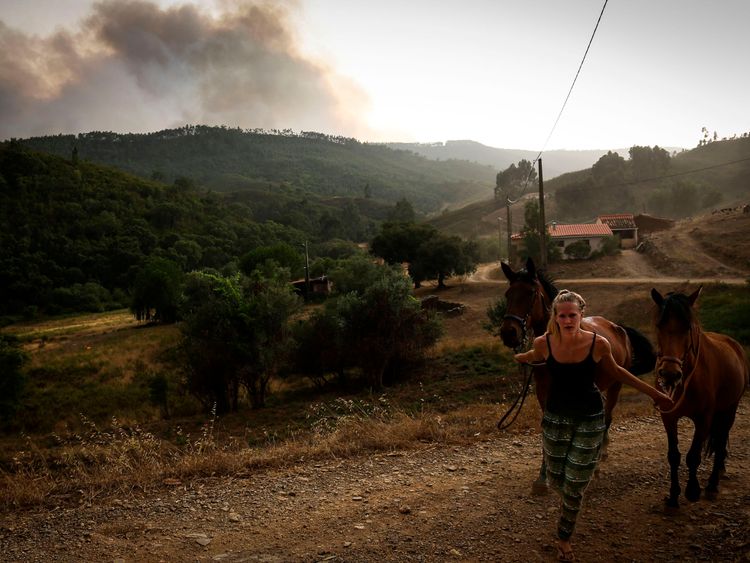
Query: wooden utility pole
(542,221)
(510,227)
(307,273)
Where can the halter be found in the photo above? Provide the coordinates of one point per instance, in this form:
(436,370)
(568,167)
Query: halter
(523,321)
(680,361)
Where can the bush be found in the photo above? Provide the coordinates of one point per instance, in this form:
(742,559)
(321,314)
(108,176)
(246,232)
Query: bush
(578,250)
(12,380)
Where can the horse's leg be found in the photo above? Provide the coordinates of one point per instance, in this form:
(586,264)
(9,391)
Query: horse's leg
(613,393)
(720,427)
(693,459)
(673,456)
(541,384)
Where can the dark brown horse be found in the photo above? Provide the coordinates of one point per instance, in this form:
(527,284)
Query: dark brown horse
(527,311)
(706,374)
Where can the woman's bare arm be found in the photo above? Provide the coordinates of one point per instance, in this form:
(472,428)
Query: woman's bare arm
(537,353)
(604,351)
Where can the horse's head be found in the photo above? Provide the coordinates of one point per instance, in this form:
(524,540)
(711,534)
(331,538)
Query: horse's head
(675,323)
(524,303)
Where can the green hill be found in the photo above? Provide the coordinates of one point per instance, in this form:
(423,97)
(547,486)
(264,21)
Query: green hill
(75,233)
(711,176)
(226,159)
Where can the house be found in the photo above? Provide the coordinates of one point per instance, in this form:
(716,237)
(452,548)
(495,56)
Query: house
(589,235)
(624,226)
(586,235)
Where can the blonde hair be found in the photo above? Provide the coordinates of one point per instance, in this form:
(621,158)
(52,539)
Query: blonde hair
(565,296)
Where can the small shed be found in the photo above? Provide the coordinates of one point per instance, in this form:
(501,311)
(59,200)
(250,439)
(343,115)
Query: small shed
(318,286)
(623,225)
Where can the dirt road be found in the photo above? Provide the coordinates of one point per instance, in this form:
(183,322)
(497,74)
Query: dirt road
(469,503)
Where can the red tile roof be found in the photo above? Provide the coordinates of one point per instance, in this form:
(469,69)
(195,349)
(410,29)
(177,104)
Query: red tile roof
(581,230)
(618,220)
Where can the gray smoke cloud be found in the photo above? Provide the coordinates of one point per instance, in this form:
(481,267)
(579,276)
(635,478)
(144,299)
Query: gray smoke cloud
(132,66)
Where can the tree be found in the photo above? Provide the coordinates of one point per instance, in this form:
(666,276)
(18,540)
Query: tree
(443,256)
(285,255)
(648,162)
(515,180)
(156,291)
(398,242)
(402,212)
(530,233)
(609,169)
(236,334)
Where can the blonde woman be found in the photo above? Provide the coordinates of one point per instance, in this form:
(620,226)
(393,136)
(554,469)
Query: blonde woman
(573,424)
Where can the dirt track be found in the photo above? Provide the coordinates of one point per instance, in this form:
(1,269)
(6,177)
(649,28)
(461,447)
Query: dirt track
(468,503)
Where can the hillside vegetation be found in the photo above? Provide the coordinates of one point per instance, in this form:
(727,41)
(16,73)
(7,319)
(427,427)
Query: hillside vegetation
(75,233)
(227,159)
(714,175)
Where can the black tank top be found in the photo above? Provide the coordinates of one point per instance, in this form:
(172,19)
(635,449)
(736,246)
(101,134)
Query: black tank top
(572,390)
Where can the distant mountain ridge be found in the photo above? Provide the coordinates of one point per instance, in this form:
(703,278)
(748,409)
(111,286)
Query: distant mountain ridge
(555,162)
(234,160)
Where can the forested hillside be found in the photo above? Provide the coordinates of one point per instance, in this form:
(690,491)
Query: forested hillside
(642,180)
(649,179)
(75,233)
(226,159)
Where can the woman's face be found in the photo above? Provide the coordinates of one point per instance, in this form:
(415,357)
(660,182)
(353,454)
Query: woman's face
(568,316)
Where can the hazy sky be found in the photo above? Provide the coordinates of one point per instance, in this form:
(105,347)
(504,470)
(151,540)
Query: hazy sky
(493,71)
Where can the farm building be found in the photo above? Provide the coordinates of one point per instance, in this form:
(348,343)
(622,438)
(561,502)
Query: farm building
(589,235)
(623,226)
(588,238)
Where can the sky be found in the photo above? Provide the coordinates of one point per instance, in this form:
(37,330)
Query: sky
(492,71)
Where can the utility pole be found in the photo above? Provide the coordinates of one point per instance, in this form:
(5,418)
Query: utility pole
(542,221)
(500,238)
(510,247)
(307,273)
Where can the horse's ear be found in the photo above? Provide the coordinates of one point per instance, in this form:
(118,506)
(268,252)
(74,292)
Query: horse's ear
(657,297)
(530,267)
(508,271)
(694,296)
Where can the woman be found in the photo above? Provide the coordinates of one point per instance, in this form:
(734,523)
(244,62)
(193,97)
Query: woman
(573,424)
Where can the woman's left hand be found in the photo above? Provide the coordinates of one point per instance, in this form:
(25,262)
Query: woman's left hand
(663,402)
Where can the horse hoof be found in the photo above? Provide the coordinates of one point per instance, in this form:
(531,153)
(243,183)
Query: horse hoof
(539,488)
(671,506)
(711,495)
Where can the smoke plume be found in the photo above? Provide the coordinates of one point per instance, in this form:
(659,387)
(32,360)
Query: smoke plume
(132,66)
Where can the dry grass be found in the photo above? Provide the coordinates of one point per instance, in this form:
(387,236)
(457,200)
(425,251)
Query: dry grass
(116,459)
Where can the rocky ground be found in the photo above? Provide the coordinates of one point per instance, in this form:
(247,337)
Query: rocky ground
(435,503)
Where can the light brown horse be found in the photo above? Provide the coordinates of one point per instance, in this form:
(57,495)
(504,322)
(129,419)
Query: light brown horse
(527,310)
(706,374)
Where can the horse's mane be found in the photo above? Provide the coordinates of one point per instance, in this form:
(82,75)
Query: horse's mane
(676,305)
(544,278)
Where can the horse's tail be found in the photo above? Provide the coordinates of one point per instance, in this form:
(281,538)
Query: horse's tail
(644,357)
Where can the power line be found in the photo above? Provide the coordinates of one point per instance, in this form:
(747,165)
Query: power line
(570,91)
(582,189)
(559,115)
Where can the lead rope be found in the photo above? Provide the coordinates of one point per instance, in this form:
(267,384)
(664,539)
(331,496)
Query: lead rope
(521,397)
(528,336)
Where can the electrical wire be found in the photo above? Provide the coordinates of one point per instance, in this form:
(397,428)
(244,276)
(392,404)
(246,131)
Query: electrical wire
(559,115)
(562,109)
(583,189)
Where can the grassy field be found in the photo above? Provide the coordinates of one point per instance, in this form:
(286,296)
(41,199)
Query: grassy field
(90,428)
